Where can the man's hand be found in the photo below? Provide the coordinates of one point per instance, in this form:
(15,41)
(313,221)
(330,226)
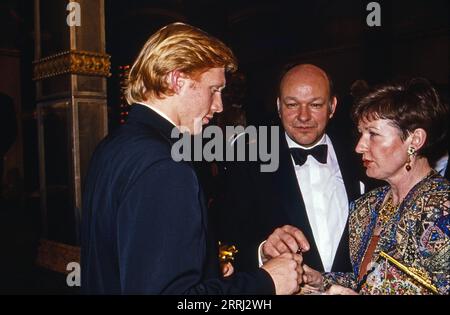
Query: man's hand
(286,272)
(287,239)
(227,269)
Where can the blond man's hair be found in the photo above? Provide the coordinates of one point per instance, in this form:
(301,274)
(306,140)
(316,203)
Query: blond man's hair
(177,46)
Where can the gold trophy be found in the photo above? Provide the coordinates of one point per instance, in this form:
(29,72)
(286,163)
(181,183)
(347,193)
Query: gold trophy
(226,253)
(226,257)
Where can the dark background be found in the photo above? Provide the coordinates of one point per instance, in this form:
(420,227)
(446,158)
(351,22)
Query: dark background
(264,34)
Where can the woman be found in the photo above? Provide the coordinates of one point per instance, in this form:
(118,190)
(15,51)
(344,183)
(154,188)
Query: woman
(403,131)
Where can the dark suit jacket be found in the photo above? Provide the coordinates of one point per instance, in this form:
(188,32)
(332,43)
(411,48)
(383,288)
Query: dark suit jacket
(144,220)
(256,203)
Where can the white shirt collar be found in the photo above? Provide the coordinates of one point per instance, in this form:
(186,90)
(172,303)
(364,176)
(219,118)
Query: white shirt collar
(442,164)
(160,113)
(292,144)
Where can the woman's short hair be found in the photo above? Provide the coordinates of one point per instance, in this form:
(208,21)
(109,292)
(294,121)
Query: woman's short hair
(409,104)
(177,46)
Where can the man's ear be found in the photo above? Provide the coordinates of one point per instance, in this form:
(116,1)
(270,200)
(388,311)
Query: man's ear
(333,105)
(176,80)
(278,105)
(418,138)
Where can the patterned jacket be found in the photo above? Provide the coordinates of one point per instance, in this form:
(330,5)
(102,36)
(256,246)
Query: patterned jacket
(417,236)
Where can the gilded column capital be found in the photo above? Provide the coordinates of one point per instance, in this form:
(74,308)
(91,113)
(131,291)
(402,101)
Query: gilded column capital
(72,62)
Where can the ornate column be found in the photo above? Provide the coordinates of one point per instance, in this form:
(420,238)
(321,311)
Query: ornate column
(70,72)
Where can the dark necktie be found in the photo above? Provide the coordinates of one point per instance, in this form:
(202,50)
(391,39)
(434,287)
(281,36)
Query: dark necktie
(318,152)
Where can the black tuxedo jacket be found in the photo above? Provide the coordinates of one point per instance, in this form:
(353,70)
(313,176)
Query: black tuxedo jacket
(253,204)
(144,225)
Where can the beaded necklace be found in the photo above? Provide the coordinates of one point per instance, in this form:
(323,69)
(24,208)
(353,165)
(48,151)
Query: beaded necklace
(387,211)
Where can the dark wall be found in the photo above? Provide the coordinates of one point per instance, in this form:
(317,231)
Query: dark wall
(265,35)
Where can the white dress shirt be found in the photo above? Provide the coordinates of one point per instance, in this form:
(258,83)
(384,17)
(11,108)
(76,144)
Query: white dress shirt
(441,165)
(325,198)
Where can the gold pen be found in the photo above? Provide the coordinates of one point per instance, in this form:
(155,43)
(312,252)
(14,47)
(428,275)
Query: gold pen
(422,279)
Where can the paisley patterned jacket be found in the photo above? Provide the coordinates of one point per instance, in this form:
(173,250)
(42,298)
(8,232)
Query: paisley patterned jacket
(417,236)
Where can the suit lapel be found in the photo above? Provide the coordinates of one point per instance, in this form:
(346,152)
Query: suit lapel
(348,164)
(342,261)
(350,175)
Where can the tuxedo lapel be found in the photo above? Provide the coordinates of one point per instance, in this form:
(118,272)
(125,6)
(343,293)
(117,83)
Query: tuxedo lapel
(348,165)
(349,171)
(342,261)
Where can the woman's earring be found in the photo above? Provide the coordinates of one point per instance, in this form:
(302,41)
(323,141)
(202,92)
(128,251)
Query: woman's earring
(411,152)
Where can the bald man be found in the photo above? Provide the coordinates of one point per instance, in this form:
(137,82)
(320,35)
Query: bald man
(316,178)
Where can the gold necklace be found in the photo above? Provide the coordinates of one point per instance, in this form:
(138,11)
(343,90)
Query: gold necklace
(387,211)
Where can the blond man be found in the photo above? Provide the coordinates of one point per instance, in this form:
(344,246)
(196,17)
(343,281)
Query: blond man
(144,220)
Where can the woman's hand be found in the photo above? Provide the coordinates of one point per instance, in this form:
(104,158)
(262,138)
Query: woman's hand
(336,289)
(312,279)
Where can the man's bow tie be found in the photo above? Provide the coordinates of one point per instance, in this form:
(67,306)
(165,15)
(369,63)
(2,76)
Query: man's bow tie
(318,152)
